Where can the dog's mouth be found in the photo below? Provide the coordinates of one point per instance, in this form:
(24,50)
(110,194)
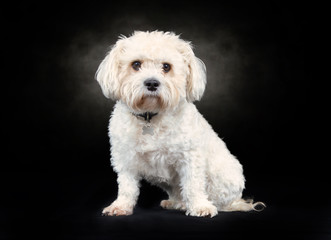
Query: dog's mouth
(149,103)
(151,94)
(154,100)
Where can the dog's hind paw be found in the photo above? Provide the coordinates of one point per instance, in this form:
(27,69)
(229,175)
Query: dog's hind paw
(171,204)
(204,210)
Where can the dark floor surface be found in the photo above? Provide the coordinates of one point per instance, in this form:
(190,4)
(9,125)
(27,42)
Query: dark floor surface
(70,208)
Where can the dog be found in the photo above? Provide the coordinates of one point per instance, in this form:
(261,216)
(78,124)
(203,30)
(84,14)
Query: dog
(157,134)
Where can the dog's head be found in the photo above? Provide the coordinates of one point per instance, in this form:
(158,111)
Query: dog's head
(152,71)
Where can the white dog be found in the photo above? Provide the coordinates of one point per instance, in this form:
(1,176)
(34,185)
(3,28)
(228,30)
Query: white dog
(156,132)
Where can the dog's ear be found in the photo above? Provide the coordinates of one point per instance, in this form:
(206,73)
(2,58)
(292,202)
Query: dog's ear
(108,72)
(196,79)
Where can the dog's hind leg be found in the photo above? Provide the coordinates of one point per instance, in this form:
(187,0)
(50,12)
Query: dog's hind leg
(174,201)
(173,204)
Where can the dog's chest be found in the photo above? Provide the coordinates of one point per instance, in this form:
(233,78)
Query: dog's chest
(157,166)
(158,154)
(163,140)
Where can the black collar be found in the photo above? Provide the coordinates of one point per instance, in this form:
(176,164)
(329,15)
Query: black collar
(147,115)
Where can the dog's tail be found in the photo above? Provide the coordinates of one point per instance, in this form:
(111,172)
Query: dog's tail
(244,205)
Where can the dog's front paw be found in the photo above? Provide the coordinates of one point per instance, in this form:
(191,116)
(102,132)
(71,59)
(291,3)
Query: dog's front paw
(202,210)
(116,209)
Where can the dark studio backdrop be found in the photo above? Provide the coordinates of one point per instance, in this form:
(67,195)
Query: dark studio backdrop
(55,171)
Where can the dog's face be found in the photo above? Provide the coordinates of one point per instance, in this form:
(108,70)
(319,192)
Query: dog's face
(152,71)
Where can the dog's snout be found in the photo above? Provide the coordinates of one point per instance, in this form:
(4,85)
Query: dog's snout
(152,84)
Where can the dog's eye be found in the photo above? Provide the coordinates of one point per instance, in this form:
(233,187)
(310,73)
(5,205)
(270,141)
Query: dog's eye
(166,67)
(136,65)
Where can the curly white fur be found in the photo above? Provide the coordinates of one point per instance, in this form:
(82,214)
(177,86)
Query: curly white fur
(184,156)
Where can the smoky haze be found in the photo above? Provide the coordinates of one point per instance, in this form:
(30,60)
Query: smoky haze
(241,71)
(253,55)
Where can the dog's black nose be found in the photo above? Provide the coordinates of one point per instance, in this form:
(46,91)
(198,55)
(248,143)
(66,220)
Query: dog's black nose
(152,84)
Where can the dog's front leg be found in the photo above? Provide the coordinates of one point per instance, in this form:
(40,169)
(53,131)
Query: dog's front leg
(193,183)
(128,191)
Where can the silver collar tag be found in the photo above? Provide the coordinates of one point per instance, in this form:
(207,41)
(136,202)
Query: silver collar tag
(147,116)
(147,129)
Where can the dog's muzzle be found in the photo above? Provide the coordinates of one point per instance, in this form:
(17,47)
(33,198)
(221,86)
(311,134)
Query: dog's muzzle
(151,84)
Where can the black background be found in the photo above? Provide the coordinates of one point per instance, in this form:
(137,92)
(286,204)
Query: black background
(55,171)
